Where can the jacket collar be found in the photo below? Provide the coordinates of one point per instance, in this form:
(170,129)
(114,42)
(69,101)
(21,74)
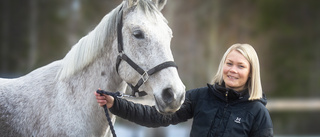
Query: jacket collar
(228,94)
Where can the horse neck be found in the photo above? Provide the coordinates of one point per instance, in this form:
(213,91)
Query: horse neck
(100,73)
(99,50)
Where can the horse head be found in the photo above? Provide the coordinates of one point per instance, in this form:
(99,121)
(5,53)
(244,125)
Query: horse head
(145,37)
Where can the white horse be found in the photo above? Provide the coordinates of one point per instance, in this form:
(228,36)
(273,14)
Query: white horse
(58,100)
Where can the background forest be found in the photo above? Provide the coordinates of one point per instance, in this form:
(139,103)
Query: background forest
(283,32)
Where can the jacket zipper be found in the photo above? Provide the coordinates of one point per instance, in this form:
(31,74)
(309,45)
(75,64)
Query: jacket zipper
(227,96)
(224,111)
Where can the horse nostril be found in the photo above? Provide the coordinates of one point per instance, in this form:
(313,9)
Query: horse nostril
(167,95)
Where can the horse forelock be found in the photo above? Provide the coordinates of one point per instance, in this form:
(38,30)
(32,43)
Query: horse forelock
(150,9)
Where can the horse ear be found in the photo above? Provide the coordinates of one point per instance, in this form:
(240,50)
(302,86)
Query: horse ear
(131,2)
(160,4)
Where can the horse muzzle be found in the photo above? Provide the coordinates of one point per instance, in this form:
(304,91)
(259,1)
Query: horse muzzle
(169,102)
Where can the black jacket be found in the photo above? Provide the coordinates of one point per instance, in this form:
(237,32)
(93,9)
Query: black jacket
(216,112)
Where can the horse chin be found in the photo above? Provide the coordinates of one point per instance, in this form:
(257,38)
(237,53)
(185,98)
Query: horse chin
(167,109)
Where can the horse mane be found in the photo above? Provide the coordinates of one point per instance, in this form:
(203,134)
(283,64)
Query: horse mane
(90,46)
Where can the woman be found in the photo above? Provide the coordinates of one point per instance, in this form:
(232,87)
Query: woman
(233,106)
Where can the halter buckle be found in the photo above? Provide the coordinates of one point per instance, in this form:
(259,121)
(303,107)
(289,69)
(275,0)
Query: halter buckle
(125,95)
(145,76)
(121,53)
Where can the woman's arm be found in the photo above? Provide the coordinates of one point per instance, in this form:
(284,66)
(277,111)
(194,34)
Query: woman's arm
(148,115)
(143,114)
(262,127)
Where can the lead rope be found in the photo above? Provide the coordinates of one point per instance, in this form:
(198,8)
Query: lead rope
(114,94)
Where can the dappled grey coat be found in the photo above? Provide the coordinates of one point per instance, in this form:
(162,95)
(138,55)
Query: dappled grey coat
(216,112)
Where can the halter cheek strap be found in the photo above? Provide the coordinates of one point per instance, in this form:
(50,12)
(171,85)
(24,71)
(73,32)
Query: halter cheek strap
(143,74)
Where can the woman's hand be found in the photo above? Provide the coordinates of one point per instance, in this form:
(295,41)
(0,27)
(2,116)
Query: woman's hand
(104,100)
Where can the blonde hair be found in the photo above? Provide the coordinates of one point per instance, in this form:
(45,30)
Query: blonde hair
(254,82)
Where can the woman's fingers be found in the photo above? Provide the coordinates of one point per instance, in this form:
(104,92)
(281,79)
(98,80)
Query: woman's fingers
(104,100)
(100,99)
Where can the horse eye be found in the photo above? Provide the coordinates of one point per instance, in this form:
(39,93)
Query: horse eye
(138,34)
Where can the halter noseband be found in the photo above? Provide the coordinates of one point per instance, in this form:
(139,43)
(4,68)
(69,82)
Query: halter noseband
(144,74)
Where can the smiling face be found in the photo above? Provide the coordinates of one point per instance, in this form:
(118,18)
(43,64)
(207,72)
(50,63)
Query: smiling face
(236,70)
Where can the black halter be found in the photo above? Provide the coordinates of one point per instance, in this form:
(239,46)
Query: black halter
(144,74)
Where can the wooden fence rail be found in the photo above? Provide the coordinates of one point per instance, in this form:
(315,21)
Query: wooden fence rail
(293,104)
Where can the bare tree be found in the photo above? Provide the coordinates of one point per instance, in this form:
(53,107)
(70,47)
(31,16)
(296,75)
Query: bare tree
(4,35)
(75,17)
(33,36)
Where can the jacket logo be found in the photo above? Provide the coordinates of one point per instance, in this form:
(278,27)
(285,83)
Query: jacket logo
(237,120)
